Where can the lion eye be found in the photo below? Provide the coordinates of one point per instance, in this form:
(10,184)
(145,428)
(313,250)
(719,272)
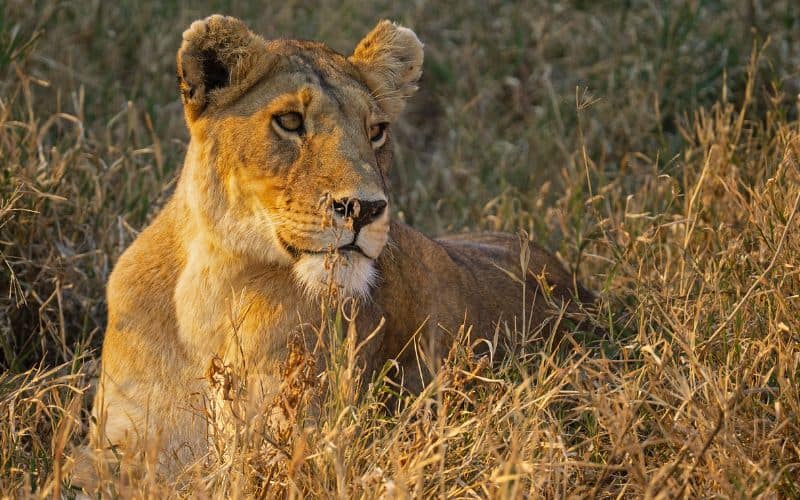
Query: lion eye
(290,122)
(377,134)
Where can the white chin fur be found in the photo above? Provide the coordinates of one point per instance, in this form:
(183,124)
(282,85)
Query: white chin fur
(352,273)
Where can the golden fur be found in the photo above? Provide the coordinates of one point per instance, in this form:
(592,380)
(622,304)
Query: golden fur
(241,255)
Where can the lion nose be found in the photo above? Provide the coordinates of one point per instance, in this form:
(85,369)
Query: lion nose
(362,212)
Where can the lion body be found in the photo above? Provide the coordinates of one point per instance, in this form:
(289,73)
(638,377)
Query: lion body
(236,262)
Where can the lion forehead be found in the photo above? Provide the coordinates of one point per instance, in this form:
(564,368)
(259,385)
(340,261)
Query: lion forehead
(306,69)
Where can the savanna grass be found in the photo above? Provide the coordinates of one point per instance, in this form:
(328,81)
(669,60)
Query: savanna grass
(654,146)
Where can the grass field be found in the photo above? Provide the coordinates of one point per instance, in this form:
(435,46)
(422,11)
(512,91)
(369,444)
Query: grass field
(654,145)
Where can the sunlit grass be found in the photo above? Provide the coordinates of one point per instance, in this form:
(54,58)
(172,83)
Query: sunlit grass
(655,149)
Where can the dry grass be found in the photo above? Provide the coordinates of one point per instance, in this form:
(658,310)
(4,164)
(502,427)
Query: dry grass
(655,146)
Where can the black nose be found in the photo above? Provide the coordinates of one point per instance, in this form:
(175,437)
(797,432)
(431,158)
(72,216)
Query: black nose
(362,212)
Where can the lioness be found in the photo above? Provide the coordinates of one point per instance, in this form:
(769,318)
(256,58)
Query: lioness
(282,200)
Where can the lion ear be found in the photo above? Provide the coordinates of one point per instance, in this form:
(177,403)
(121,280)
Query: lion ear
(389,59)
(219,60)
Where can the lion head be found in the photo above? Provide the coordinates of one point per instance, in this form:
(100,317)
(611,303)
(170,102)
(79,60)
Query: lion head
(290,146)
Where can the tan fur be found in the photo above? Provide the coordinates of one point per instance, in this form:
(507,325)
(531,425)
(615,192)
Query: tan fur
(227,270)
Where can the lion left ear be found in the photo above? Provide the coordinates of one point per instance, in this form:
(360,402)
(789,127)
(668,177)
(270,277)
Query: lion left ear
(218,61)
(389,59)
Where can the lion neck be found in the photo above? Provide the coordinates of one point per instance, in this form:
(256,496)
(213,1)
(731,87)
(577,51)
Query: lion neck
(228,303)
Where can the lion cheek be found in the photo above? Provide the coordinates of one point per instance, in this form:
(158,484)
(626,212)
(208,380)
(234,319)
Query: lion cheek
(352,275)
(373,237)
(372,242)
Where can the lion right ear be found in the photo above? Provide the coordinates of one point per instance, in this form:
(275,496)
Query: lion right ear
(218,61)
(389,59)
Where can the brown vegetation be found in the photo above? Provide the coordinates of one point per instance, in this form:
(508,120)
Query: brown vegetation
(657,149)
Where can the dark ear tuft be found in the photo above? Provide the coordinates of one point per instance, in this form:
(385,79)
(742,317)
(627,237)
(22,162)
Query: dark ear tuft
(215,74)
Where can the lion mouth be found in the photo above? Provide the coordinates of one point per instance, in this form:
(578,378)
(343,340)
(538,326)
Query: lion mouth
(352,247)
(298,252)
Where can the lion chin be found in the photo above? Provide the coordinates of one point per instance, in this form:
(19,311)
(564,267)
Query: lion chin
(349,274)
